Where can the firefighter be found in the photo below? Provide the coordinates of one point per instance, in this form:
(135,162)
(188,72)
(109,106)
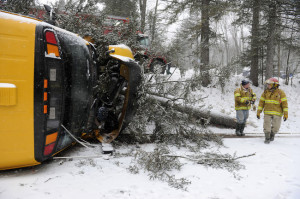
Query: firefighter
(273,102)
(244,97)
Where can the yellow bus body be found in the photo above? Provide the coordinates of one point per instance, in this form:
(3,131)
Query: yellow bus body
(17,41)
(47,81)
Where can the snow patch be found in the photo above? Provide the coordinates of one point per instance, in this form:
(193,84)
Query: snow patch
(19,18)
(51,55)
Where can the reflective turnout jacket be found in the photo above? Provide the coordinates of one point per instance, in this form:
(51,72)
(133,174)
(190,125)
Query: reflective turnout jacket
(273,102)
(241,95)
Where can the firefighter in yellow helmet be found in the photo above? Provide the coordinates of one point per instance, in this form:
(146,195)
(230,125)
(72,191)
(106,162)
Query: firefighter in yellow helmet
(243,97)
(273,102)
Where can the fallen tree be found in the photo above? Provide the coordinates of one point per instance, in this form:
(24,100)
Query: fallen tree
(210,117)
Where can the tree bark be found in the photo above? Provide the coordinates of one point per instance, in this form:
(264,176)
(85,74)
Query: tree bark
(255,43)
(288,57)
(271,40)
(204,49)
(154,23)
(143,4)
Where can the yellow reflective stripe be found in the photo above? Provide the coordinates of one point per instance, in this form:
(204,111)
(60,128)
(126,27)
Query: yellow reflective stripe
(244,99)
(273,113)
(262,99)
(285,109)
(271,102)
(260,108)
(236,95)
(283,99)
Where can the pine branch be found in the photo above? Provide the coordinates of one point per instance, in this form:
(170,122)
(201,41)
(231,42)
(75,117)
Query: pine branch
(200,161)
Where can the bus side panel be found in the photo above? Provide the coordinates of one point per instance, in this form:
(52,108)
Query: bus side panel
(17,45)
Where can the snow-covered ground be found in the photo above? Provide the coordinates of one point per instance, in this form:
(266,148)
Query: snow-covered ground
(273,173)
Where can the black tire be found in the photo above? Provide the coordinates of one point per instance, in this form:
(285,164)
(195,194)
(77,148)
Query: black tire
(158,67)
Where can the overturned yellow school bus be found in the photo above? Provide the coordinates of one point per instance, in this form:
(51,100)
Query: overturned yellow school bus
(50,84)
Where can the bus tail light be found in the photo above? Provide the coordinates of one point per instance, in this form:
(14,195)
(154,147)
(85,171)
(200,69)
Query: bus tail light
(52,44)
(50,143)
(48,149)
(52,49)
(50,37)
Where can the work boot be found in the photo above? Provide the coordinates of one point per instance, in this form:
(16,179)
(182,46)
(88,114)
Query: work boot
(242,129)
(267,141)
(272,136)
(238,129)
(267,138)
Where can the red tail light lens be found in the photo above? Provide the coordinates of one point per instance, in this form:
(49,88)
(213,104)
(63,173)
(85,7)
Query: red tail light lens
(50,37)
(49,148)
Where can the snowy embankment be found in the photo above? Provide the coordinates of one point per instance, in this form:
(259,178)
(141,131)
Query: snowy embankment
(273,173)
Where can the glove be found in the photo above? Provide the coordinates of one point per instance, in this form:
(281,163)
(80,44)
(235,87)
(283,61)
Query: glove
(258,117)
(284,119)
(247,102)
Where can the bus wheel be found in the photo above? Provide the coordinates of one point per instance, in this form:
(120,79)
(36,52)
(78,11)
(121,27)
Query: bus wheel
(158,67)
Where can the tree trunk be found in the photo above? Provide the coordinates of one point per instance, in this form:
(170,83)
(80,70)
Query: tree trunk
(235,37)
(215,118)
(226,43)
(154,22)
(255,43)
(288,56)
(278,59)
(262,64)
(205,34)
(143,4)
(271,40)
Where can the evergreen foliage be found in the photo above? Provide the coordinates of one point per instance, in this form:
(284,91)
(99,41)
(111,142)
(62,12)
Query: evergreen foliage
(84,18)
(159,166)
(124,8)
(18,6)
